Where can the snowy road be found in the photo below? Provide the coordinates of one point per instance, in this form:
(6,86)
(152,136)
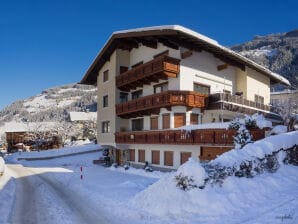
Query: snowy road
(40,199)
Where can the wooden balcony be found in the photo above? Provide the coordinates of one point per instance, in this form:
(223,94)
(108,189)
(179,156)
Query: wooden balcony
(216,137)
(235,103)
(159,68)
(151,104)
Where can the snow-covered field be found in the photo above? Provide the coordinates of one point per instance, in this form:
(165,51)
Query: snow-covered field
(136,196)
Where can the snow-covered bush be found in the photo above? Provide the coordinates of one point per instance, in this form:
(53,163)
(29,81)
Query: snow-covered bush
(242,137)
(190,175)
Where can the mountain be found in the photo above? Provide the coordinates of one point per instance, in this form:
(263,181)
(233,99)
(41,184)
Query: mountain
(53,104)
(278,52)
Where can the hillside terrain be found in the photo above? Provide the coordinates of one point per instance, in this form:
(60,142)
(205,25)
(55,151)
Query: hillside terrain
(53,104)
(278,52)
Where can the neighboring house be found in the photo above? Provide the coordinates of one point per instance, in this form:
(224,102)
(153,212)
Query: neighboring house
(285,102)
(152,80)
(41,135)
(86,122)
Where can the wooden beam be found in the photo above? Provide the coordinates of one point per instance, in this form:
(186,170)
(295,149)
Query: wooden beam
(222,67)
(186,54)
(168,43)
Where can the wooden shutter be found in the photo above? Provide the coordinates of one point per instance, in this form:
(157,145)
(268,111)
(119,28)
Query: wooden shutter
(155,157)
(168,158)
(141,155)
(194,118)
(184,157)
(165,121)
(131,155)
(179,120)
(154,123)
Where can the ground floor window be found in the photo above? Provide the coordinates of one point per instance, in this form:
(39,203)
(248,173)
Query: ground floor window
(184,157)
(105,127)
(131,155)
(155,156)
(168,158)
(141,155)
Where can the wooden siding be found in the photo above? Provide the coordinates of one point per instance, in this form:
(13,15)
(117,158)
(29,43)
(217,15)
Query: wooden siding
(151,104)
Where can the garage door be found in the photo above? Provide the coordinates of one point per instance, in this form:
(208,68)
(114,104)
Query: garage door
(209,153)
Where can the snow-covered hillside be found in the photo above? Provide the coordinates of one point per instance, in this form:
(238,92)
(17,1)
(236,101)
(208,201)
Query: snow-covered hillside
(52,104)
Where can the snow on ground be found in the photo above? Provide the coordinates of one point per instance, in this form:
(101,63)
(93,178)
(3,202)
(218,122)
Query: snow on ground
(135,196)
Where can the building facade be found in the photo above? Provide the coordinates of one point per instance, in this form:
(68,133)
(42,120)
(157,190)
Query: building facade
(153,80)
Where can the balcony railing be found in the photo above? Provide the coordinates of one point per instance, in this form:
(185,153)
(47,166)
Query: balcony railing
(235,103)
(159,68)
(220,137)
(151,104)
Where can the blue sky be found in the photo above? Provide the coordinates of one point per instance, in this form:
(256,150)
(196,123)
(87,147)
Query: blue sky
(52,42)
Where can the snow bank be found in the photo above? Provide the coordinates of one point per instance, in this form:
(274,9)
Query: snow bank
(77,143)
(279,129)
(193,169)
(259,149)
(53,152)
(2,166)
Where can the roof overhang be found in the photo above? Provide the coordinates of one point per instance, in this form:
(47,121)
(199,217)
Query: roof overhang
(173,36)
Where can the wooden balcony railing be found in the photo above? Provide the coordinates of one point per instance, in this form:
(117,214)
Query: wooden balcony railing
(220,137)
(159,68)
(235,103)
(151,104)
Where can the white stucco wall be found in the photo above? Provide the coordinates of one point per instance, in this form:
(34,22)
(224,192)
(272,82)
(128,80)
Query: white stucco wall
(201,67)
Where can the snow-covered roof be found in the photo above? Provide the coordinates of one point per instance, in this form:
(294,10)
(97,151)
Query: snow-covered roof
(181,33)
(83,116)
(29,126)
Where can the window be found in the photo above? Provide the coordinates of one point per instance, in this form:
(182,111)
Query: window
(123,97)
(168,158)
(105,75)
(131,155)
(105,101)
(179,120)
(141,155)
(137,124)
(194,119)
(154,123)
(161,87)
(105,127)
(165,121)
(201,88)
(155,157)
(259,99)
(136,94)
(123,69)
